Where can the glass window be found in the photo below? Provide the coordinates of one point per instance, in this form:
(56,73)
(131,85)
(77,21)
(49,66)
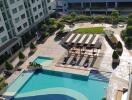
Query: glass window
(20,7)
(14,10)
(40,14)
(33,1)
(25,25)
(36,17)
(3,39)
(23,16)
(49,7)
(17,20)
(1,29)
(12,1)
(19,28)
(48,1)
(34,9)
(39,6)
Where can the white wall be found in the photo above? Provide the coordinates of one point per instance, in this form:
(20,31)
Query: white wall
(4,33)
(51,4)
(18,14)
(38,11)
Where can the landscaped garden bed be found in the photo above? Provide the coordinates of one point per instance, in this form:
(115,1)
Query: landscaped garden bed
(93,30)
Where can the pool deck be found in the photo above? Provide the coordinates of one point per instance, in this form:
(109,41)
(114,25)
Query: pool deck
(84,72)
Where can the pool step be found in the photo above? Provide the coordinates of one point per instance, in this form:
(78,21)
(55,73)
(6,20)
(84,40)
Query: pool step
(16,85)
(101,76)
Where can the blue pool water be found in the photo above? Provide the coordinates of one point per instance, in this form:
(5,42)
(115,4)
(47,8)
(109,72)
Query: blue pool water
(41,60)
(42,85)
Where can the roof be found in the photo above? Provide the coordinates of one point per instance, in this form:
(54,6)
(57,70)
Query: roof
(79,39)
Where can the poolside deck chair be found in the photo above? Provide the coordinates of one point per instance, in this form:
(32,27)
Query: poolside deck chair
(86,64)
(69,60)
(83,61)
(79,59)
(73,62)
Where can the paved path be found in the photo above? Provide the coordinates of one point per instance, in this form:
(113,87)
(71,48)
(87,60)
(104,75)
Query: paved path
(119,78)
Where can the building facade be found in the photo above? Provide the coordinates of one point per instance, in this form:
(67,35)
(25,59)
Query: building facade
(18,21)
(94,7)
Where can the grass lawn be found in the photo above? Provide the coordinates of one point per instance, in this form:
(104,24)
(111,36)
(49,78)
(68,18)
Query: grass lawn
(94,30)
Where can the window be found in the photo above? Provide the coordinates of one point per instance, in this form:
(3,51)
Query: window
(20,7)
(17,20)
(33,1)
(1,29)
(14,10)
(25,25)
(48,1)
(19,28)
(49,7)
(23,16)
(12,1)
(36,17)
(40,14)
(39,6)
(3,39)
(34,9)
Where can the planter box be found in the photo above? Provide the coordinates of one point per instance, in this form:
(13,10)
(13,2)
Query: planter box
(120,50)
(116,60)
(23,60)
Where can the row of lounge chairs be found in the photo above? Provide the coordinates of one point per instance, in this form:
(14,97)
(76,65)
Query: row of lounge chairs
(76,59)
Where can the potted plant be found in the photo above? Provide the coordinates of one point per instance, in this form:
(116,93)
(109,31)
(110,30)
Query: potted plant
(8,66)
(32,47)
(115,57)
(22,57)
(119,48)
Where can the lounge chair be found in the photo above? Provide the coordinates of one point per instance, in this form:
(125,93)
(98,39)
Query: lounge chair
(65,60)
(74,61)
(69,60)
(86,64)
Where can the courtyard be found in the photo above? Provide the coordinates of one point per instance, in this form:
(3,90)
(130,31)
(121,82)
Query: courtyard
(54,49)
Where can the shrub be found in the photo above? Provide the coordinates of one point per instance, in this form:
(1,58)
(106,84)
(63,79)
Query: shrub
(129,31)
(128,41)
(98,19)
(43,27)
(32,46)
(115,55)
(51,21)
(46,33)
(2,85)
(115,16)
(119,45)
(104,98)
(129,22)
(123,19)
(130,15)
(8,66)
(21,55)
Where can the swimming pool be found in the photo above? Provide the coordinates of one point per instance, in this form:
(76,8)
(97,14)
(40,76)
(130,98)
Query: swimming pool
(62,86)
(46,61)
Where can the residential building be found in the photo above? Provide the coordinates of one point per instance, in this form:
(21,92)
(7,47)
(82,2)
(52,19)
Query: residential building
(18,23)
(94,7)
